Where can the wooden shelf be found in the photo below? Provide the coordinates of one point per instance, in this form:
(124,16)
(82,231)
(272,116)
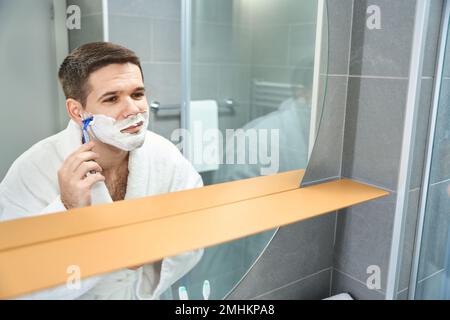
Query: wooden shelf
(105,238)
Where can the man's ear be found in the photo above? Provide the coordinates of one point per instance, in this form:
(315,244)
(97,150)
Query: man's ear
(74,110)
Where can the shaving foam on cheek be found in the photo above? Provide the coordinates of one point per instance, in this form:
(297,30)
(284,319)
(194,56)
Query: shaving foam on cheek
(108,130)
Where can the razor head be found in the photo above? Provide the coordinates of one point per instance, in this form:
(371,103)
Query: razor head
(87,134)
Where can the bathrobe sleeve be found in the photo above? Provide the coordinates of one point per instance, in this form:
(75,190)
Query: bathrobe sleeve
(155,278)
(28,190)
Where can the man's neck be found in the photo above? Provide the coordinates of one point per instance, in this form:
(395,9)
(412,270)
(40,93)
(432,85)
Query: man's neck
(111,158)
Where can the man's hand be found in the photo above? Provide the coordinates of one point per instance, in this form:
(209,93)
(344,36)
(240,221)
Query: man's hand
(74,185)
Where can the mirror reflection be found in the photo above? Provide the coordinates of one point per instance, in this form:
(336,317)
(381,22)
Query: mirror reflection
(106,102)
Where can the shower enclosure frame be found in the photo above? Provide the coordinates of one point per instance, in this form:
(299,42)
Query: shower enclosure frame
(413,99)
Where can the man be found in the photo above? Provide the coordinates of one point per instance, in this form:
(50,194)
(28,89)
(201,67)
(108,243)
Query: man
(104,80)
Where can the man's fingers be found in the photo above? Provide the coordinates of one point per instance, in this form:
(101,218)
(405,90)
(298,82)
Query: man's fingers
(80,158)
(92,179)
(86,167)
(82,148)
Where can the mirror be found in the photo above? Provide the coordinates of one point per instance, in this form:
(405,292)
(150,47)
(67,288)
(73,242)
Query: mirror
(252,78)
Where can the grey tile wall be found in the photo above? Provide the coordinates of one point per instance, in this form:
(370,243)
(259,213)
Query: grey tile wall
(297,252)
(379,70)
(344,283)
(91,23)
(383,52)
(373,130)
(363,238)
(313,287)
(133,33)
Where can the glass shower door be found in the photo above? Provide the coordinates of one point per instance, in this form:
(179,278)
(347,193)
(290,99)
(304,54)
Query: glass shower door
(432,280)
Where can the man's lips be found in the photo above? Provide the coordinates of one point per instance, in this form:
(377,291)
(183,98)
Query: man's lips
(134,128)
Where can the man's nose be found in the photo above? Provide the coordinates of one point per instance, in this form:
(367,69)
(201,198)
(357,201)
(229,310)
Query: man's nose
(132,108)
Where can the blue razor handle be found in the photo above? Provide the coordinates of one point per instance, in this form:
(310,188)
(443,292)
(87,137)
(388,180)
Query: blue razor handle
(86,122)
(86,138)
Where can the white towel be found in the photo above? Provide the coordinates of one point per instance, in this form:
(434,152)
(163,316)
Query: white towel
(31,188)
(204,138)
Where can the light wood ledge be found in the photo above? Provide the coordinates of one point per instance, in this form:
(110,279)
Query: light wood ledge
(35,252)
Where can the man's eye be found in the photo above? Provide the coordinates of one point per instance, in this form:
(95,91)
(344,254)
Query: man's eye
(138,95)
(112,99)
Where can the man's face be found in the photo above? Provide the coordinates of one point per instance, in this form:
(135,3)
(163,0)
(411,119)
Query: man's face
(117,91)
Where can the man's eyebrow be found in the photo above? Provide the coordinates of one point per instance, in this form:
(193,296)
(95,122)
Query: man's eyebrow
(109,93)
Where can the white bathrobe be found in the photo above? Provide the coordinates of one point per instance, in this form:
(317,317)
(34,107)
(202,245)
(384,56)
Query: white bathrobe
(31,188)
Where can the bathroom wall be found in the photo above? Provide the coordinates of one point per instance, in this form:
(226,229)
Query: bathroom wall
(91,23)
(27,88)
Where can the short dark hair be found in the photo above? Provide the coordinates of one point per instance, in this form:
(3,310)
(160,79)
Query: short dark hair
(76,68)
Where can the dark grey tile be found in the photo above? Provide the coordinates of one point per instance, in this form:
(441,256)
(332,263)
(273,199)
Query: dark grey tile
(169,9)
(363,238)
(88,7)
(432,38)
(325,160)
(133,33)
(440,167)
(384,52)
(166,45)
(342,283)
(374,130)
(339,14)
(163,82)
(421,133)
(91,30)
(297,250)
(314,287)
(436,237)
